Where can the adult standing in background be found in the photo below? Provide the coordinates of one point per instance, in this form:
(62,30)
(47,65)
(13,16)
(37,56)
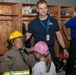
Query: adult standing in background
(44,27)
(72,38)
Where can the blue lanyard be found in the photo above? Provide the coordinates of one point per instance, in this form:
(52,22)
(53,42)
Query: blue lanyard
(46,27)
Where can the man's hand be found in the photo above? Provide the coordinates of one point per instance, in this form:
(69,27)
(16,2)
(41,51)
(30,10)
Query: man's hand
(66,54)
(28,35)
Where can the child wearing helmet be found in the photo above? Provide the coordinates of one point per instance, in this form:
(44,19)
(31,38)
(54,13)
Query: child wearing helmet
(15,36)
(45,66)
(18,58)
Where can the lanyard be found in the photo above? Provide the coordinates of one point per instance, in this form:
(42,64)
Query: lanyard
(46,27)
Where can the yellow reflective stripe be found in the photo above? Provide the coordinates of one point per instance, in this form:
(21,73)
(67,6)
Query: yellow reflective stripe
(6,73)
(17,73)
(24,72)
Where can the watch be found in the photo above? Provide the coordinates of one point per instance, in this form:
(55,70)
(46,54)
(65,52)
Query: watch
(64,48)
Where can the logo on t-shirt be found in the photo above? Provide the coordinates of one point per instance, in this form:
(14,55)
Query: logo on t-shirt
(50,23)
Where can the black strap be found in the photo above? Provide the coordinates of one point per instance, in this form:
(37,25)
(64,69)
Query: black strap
(23,29)
(22,54)
(25,51)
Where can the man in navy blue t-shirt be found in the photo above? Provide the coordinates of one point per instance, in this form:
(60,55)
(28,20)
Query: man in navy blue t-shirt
(72,38)
(44,27)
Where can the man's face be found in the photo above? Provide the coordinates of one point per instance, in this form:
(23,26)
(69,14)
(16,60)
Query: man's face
(42,9)
(18,43)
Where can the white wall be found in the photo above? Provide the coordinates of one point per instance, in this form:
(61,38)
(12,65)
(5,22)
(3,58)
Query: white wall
(53,2)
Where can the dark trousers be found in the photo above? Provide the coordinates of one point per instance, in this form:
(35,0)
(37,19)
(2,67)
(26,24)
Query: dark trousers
(52,52)
(72,56)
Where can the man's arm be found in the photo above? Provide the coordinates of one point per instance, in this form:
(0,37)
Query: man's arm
(61,42)
(66,33)
(28,35)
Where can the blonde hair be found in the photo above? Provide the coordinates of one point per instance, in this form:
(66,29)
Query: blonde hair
(47,60)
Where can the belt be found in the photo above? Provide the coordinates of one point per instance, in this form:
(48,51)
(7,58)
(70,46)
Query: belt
(73,38)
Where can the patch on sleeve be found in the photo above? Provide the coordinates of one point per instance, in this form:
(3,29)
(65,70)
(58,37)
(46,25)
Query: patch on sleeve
(8,58)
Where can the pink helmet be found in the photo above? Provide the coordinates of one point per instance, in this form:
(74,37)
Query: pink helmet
(40,47)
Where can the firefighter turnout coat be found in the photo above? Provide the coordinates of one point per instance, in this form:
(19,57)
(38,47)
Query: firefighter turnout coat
(13,60)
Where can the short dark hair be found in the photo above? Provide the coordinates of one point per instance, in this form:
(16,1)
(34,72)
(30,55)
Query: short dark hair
(40,2)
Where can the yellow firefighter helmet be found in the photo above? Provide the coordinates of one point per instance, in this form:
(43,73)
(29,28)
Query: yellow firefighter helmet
(15,34)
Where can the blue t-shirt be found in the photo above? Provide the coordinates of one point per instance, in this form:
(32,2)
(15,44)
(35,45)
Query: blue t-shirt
(40,32)
(72,25)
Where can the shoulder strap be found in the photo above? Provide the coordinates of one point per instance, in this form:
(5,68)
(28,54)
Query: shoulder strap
(23,29)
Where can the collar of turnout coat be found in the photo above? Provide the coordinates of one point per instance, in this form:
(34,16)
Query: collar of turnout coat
(17,49)
(21,49)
